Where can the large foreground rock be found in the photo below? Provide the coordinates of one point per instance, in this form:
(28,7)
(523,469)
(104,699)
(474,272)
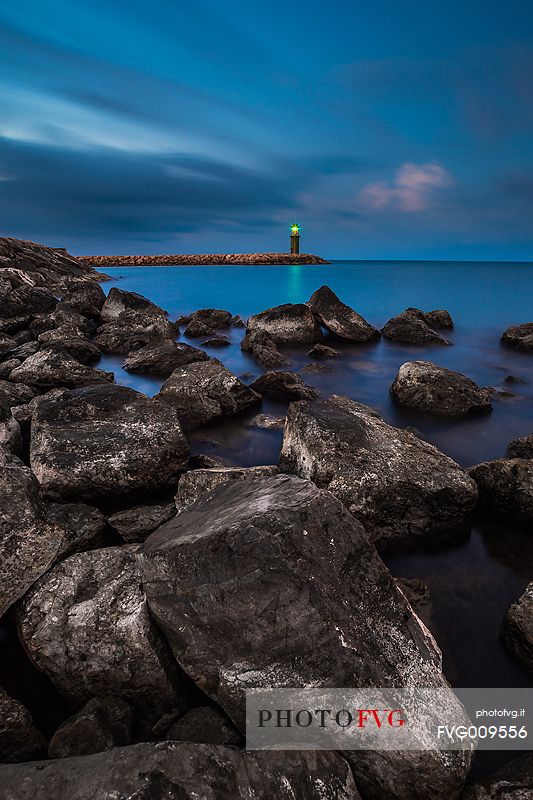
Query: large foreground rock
(514,781)
(411,328)
(437,390)
(102,723)
(163,358)
(520,337)
(506,486)
(249,586)
(19,738)
(86,625)
(182,771)
(204,391)
(51,368)
(198,482)
(104,440)
(401,488)
(518,628)
(340,319)
(287,324)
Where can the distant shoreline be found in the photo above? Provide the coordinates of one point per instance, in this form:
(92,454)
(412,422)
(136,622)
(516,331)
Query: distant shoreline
(203,259)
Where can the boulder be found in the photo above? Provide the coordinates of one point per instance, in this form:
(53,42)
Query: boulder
(7,367)
(288,324)
(87,626)
(263,349)
(197,329)
(519,337)
(69,316)
(132,331)
(19,306)
(204,391)
(49,368)
(323,351)
(205,725)
(401,488)
(28,263)
(19,738)
(102,723)
(88,298)
(10,434)
(409,328)
(104,440)
(198,482)
(205,321)
(25,350)
(282,385)
(514,781)
(340,319)
(249,587)
(118,301)
(182,771)
(135,524)
(6,345)
(435,319)
(518,628)
(73,341)
(238,322)
(418,594)
(522,447)
(29,544)
(216,341)
(83,527)
(436,390)
(163,358)
(203,461)
(506,486)
(14,394)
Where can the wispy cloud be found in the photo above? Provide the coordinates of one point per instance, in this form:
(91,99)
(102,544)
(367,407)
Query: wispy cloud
(412,188)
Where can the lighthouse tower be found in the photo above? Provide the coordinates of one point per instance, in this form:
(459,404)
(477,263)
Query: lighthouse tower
(295,238)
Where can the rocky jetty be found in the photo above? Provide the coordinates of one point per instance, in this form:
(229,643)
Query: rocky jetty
(436,390)
(203,258)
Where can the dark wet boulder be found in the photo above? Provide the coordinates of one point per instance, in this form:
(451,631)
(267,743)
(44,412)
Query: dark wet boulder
(409,328)
(118,301)
(519,337)
(104,722)
(266,421)
(19,738)
(323,351)
(7,344)
(12,395)
(238,322)
(203,461)
(205,725)
(182,771)
(23,413)
(10,433)
(522,447)
(506,486)
(340,319)
(28,263)
(439,318)
(19,306)
(204,391)
(205,321)
(66,315)
(282,385)
(518,628)
(437,390)
(198,482)
(135,524)
(288,324)
(249,587)
(514,781)
(401,488)
(29,543)
(163,358)
(24,351)
(216,341)
(82,527)
(73,341)
(87,298)
(7,367)
(315,369)
(49,369)
(132,331)
(197,329)
(86,625)
(103,440)
(263,349)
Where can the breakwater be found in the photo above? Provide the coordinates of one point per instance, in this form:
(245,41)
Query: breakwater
(204,258)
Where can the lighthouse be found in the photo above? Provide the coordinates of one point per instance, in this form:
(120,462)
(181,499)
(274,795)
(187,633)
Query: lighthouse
(295,238)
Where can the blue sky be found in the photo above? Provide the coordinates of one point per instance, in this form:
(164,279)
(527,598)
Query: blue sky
(386,129)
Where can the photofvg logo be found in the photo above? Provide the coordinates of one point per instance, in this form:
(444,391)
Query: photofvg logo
(388,719)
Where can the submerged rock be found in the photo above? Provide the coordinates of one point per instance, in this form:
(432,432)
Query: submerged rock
(86,625)
(19,738)
(340,319)
(49,369)
(520,337)
(518,628)
(135,524)
(409,328)
(104,440)
(287,324)
(180,770)
(263,349)
(283,385)
(102,723)
(204,391)
(401,488)
(163,358)
(323,351)
(198,482)
(436,390)
(522,447)
(205,725)
(249,587)
(506,486)
(216,341)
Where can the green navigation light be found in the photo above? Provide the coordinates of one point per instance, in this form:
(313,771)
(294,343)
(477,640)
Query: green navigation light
(295,229)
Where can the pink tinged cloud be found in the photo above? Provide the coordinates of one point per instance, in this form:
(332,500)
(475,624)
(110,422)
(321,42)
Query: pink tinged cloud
(412,188)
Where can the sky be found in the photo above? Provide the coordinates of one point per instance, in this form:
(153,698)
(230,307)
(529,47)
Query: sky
(388,129)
